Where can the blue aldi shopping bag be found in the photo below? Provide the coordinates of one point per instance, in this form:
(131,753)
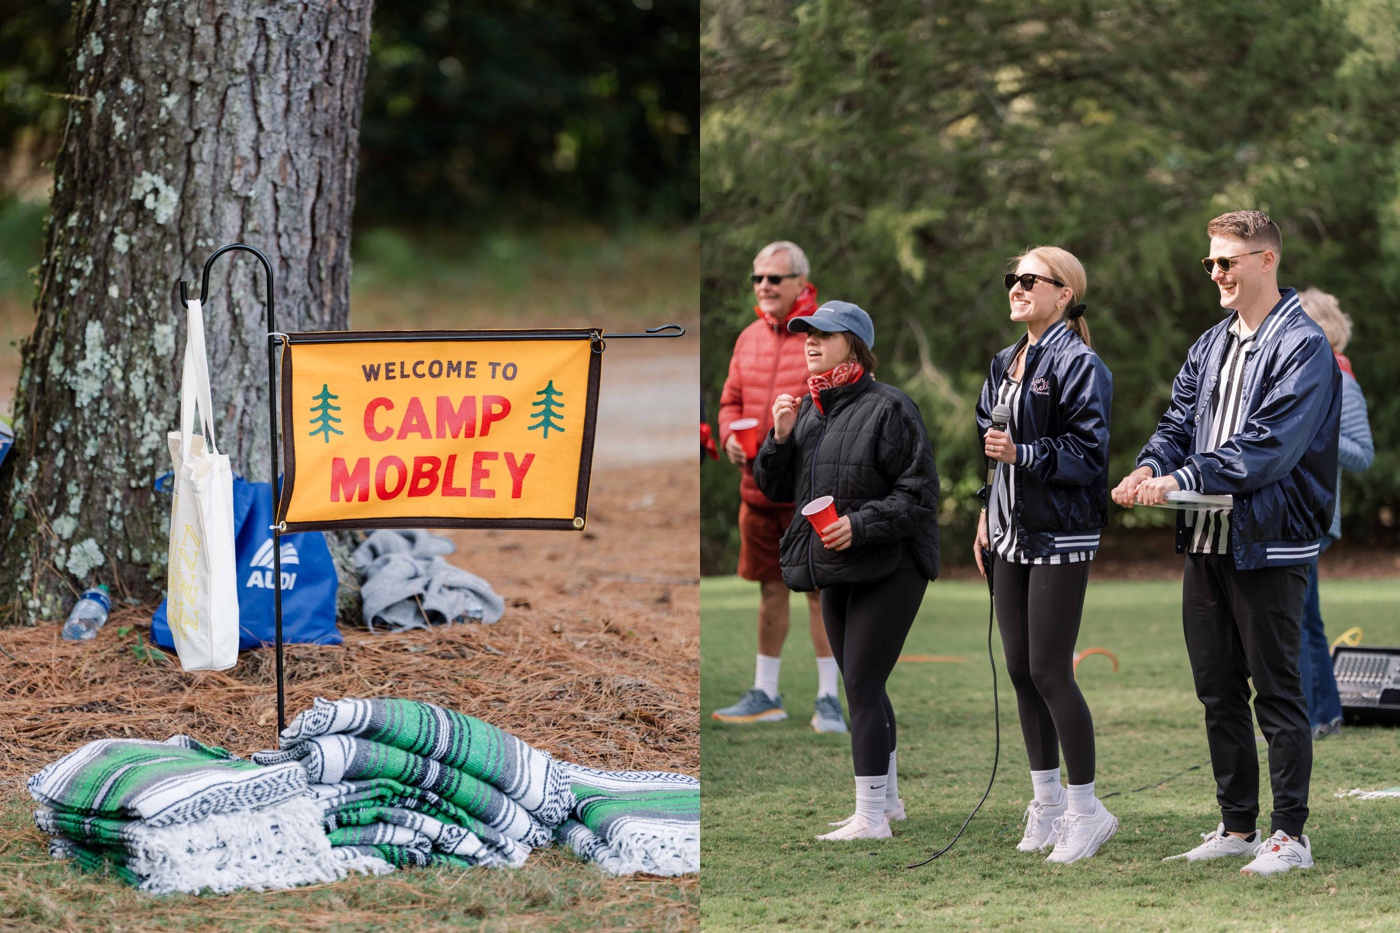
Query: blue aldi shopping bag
(308,579)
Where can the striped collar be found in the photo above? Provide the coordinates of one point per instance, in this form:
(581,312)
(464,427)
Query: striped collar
(1282,312)
(1054,335)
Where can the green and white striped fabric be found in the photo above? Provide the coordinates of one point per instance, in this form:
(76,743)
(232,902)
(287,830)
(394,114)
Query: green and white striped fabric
(450,829)
(331,759)
(174,781)
(634,821)
(180,816)
(382,755)
(526,775)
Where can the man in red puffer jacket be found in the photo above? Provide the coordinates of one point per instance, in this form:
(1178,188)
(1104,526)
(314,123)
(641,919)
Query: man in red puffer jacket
(769,361)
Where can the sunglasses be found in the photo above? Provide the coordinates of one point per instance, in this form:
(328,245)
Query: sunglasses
(774,279)
(1028,280)
(1224,262)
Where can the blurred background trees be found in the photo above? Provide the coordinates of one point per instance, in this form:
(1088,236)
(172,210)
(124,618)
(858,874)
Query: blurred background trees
(912,149)
(502,144)
(523,111)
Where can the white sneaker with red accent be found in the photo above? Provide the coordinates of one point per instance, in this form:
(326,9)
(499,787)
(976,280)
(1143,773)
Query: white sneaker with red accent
(1280,853)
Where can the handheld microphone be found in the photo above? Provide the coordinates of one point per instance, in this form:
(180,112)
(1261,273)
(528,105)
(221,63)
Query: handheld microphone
(1001,416)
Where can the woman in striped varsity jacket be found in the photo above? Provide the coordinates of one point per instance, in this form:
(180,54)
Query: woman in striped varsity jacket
(1046,502)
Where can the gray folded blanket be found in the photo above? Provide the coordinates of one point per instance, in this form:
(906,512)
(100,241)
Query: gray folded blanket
(408,585)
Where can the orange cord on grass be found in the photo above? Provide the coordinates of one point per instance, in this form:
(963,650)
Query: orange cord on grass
(1103,651)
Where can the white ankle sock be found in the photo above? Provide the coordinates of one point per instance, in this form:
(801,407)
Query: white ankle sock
(1046,785)
(1081,798)
(827,675)
(766,675)
(892,782)
(870,797)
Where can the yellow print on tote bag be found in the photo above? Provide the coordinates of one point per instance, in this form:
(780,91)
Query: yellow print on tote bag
(203,574)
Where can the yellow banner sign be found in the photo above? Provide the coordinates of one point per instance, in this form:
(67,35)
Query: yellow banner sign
(465,429)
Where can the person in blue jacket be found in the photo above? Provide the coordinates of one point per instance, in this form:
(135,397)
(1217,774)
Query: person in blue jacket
(1254,415)
(1355,451)
(1047,501)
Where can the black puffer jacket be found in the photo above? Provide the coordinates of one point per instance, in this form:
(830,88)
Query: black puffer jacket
(871,453)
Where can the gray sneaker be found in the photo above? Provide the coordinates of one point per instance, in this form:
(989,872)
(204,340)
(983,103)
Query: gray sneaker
(754,706)
(1327,728)
(828,716)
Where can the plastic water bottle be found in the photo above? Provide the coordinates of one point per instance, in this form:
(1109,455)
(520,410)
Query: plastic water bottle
(89,615)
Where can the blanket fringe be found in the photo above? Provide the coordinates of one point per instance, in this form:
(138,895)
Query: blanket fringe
(274,848)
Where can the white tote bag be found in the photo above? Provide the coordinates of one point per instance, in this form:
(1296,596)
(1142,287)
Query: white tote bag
(203,599)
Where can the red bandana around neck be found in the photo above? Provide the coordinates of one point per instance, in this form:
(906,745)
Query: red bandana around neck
(842,375)
(1344,364)
(804,304)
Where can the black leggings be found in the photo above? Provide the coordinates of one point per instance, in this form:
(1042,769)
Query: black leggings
(1038,612)
(867,624)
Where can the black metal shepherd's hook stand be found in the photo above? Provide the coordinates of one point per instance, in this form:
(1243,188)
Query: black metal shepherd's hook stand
(273,338)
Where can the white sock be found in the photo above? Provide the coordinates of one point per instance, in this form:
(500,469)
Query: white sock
(892,783)
(870,798)
(827,674)
(766,676)
(1081,799)
(1046,785)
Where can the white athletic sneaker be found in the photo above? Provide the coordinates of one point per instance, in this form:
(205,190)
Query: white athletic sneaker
(859,828)
(896,814)
(1279,853)
(1040,825)
(1079,835)
(1220,844)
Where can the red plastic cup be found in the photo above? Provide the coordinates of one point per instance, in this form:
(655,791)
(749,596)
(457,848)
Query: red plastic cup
(746,430)
(821,513)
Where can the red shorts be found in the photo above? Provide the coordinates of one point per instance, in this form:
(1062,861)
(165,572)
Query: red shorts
(760,530)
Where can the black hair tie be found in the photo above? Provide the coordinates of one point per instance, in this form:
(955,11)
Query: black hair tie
(1076,312)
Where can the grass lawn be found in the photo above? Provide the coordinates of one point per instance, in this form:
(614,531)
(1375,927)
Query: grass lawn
(549,893)
(770,788)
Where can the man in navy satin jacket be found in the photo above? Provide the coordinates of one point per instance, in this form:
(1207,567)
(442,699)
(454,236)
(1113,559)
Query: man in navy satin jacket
(1254,415)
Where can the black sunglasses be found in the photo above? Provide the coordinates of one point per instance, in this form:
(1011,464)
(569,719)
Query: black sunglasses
(774,279)
(1027,280)
(1224,262)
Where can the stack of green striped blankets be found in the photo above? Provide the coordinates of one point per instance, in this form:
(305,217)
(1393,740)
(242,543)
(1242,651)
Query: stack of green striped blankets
(180,816)
(416,784)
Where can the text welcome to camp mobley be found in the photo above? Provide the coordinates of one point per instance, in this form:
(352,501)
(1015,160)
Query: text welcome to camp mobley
(379,435)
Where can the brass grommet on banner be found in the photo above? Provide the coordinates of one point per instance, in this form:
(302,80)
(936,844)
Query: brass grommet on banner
(578,522)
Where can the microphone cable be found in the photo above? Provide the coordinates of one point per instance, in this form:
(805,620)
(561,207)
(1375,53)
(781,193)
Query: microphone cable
(996,718)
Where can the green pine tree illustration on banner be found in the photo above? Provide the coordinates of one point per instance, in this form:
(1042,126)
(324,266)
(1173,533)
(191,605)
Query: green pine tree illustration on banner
(547,410)
(322,413)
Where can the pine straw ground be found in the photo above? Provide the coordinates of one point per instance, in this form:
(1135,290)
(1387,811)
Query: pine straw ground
(596,661)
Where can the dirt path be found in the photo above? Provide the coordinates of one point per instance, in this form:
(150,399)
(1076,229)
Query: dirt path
(649,402)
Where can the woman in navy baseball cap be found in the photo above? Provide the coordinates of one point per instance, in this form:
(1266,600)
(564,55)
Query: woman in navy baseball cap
(863,444)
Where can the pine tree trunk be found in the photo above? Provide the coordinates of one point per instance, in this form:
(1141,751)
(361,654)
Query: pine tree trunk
(191,126)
